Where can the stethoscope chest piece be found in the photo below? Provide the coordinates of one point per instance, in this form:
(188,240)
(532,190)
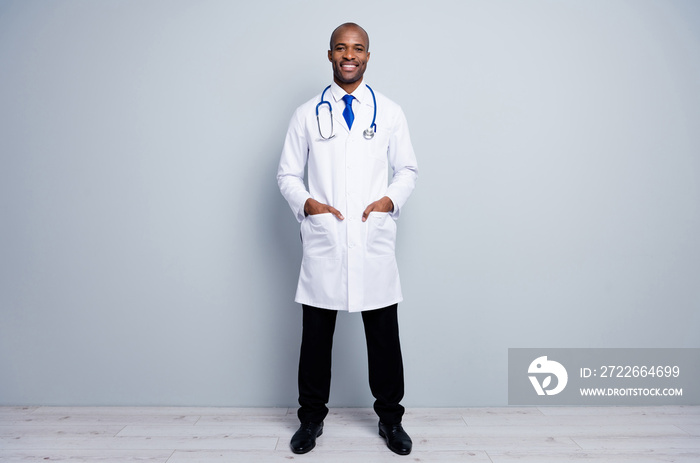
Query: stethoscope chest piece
(368,133)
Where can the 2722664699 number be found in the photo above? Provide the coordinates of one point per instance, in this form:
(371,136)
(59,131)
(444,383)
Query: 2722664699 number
(628,371)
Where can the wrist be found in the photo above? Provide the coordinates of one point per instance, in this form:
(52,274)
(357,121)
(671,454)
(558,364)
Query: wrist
(389,204)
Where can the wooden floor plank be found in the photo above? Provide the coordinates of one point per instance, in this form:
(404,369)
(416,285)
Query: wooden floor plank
(59,431)
(16,411)
(81,419)
(578,420)
(587,430)
(155,411)
(500,411)
(608,411)
(327,455)
(200,432)
(605,456)
(639,443)
(84,456)
(139,443)
(691,429)
(248,420)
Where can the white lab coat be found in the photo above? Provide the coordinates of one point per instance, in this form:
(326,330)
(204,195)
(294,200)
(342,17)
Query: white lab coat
(348,264)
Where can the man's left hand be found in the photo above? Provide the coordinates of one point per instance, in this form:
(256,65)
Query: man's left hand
(381,205)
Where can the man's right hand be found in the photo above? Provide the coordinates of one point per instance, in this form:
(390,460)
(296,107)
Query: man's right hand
(313,207)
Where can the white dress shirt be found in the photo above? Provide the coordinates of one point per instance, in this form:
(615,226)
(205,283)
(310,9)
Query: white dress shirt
(348,264)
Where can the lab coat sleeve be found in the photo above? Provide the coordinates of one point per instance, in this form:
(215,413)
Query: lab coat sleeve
(403,163)
(290,173)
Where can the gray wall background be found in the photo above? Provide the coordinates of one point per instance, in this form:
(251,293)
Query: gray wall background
(147,257)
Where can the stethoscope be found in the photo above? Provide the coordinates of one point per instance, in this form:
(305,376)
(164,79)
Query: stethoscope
(368,133)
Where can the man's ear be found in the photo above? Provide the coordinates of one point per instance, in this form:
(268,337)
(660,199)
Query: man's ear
(330,55)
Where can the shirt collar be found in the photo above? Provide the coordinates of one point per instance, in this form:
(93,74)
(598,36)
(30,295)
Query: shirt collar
(361,93)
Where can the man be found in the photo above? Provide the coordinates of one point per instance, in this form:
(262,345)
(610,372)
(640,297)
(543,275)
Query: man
(347,137)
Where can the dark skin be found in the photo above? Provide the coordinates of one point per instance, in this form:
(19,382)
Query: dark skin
(348,55)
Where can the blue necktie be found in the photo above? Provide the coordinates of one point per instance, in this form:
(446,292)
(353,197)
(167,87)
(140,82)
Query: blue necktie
(347,112)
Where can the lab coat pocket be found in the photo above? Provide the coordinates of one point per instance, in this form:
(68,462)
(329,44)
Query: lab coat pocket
(319,235)
(381,234)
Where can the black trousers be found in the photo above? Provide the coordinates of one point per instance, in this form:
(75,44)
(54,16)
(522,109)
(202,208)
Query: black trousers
(384,361)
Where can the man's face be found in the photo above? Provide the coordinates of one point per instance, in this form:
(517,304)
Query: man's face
(349,56)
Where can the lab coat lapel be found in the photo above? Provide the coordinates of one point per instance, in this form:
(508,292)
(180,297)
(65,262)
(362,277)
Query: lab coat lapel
(364,108)
(338,116)
(339,106)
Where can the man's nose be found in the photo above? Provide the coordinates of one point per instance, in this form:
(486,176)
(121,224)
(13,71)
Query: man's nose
(349,54)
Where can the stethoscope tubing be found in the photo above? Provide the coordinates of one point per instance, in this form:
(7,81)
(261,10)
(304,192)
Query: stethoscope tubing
(368,133)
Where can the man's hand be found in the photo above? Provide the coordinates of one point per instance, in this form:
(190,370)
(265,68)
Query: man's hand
(313,207)
(381,205)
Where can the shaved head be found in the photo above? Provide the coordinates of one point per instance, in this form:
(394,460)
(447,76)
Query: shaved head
(342,27)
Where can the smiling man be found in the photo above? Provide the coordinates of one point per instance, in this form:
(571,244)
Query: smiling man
(348,137)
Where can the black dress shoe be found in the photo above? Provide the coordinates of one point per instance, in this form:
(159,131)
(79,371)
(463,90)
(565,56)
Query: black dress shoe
(305,438)
(396,438)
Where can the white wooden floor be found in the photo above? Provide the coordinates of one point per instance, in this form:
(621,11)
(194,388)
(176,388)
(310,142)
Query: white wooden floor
(261,435)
